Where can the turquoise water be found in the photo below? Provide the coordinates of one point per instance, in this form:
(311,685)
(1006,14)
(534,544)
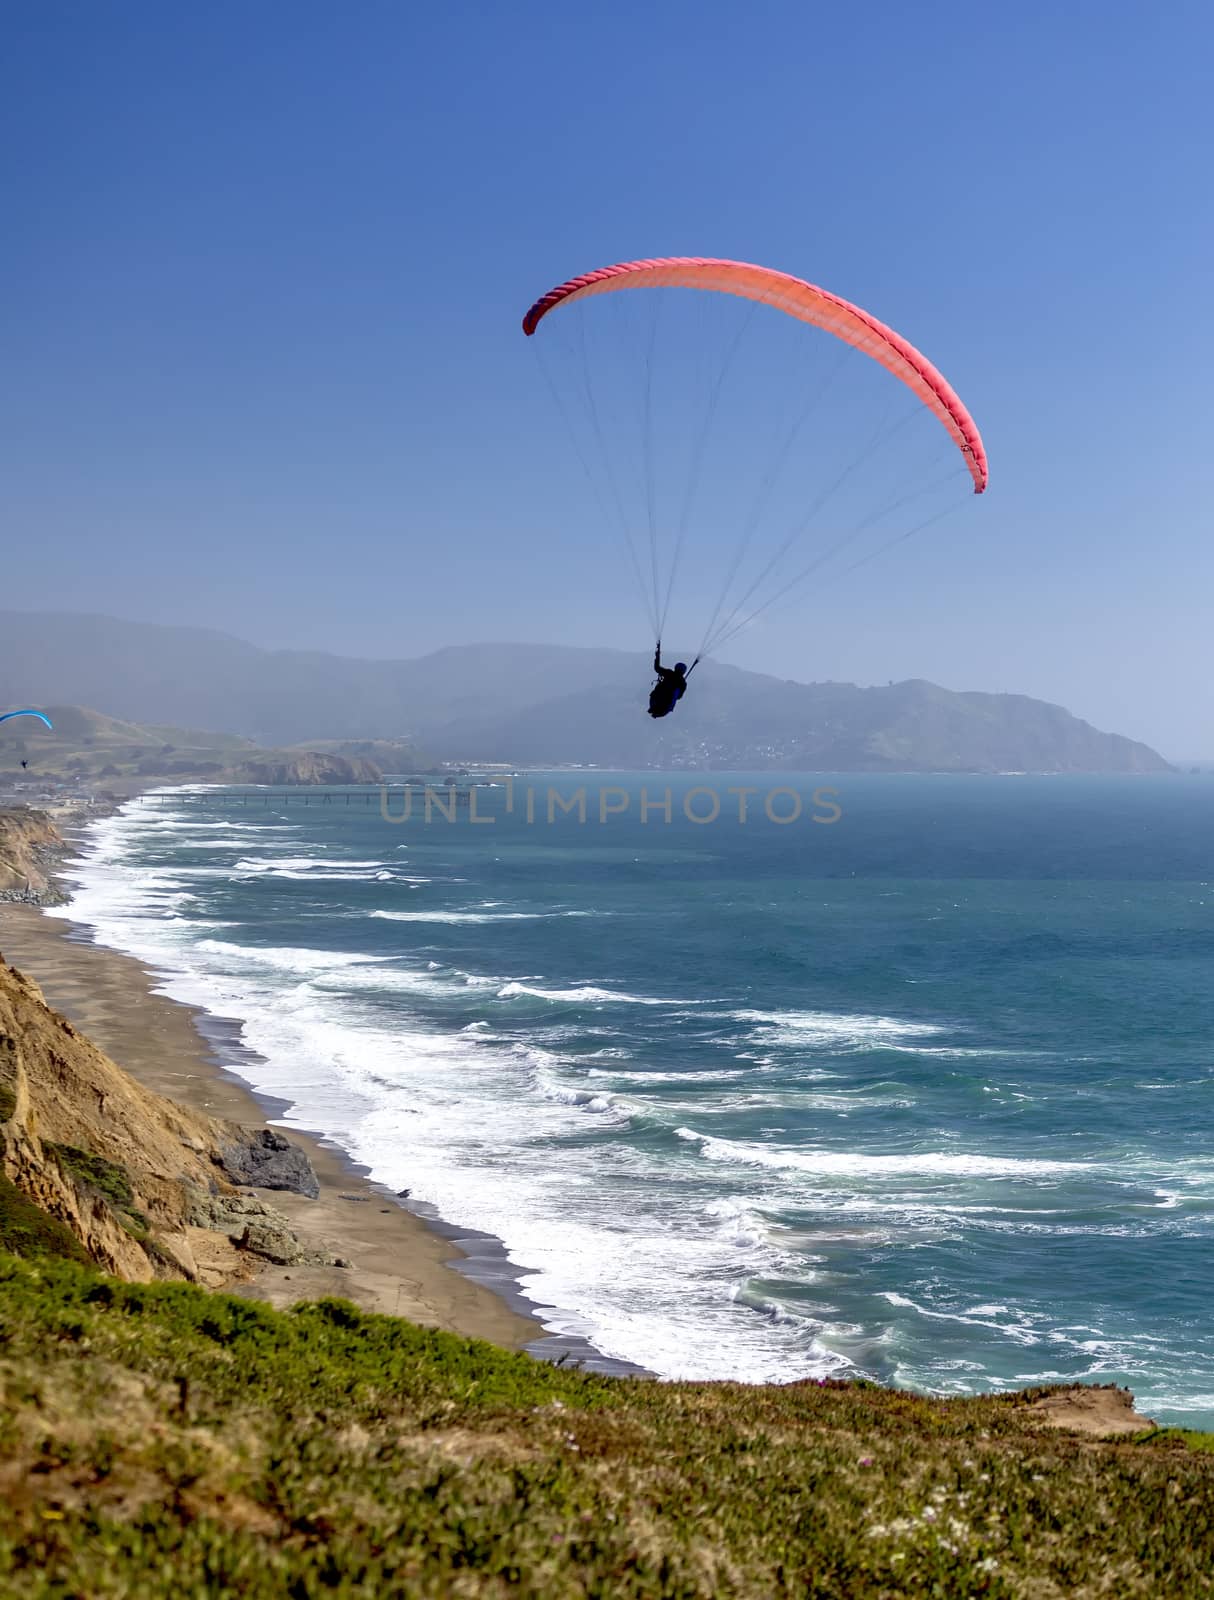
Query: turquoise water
(922,1093)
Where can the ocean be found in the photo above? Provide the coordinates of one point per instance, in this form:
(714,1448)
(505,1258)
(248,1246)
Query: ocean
(915,1085)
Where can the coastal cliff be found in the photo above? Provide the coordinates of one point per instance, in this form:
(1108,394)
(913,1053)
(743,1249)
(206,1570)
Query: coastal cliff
(148,1188)
(29,843)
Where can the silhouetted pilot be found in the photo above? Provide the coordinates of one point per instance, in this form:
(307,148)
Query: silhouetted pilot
(670,687)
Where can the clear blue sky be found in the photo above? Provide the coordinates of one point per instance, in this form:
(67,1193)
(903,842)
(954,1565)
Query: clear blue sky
(263,267)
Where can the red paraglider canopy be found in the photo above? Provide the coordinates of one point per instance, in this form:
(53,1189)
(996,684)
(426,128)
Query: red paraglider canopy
(798,299)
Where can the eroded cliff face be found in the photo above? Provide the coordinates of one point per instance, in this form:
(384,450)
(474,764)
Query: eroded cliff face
(29,841)
(309,767)
(148,1187)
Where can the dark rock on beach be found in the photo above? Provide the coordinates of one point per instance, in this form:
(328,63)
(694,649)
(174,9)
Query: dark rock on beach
(266,1160)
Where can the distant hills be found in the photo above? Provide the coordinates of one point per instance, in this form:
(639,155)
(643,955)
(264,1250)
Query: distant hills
(537,705)
(88,747)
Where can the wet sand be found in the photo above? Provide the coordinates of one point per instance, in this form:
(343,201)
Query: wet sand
(399,1264)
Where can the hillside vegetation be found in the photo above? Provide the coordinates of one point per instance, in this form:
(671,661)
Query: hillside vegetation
(162,1440)
(87,746)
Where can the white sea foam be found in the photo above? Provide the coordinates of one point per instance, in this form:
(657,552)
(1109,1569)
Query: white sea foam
(580,995)
(723,1075)
(312,869)
(287,958)
(458,916)
(480,914)
(861,1164)
(833,1029)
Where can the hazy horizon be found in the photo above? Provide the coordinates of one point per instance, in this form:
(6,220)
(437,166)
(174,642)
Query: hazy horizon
(1180,758)
(262,296)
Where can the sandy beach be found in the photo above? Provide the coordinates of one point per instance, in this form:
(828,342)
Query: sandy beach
(399,1265)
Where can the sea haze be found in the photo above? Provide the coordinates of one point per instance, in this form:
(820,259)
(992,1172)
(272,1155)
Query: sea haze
(923,1093)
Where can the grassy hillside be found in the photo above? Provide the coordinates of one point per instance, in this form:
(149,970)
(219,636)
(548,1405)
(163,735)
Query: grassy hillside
(157,1439)
(88,747)
(87,744)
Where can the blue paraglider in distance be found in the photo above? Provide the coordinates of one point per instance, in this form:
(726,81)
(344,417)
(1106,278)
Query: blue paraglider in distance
(37,714)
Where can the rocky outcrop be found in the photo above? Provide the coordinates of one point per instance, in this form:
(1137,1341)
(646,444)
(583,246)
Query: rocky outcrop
(148,1187)
(252,1225)
(309,767)
(1100,1410)
(266,1160)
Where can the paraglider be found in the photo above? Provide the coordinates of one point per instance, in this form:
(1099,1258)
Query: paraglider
(27,713)
(611,431)
(670,687)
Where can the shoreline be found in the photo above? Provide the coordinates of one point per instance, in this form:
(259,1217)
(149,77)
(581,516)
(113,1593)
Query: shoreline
(406,1260)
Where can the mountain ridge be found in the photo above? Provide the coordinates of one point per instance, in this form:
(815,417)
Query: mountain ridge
(534,704)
